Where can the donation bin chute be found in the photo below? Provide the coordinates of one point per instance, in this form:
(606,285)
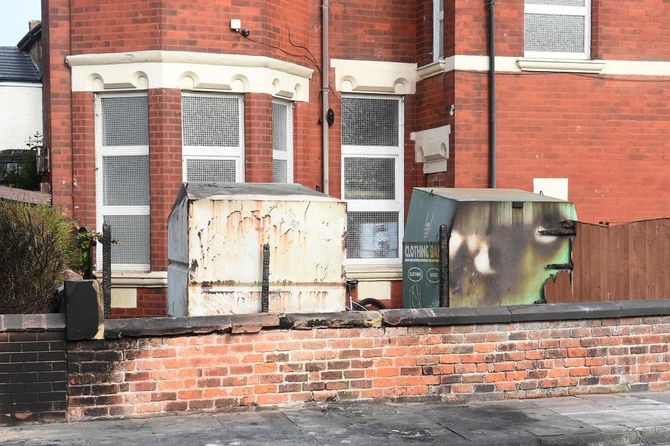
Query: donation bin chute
(220,234)
(503,244)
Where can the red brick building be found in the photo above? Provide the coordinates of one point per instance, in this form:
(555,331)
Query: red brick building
(141,96)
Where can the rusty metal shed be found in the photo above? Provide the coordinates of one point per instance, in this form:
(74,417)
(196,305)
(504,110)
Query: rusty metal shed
(503,244)
(216,238)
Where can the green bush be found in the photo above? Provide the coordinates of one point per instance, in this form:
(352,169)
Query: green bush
(26,177)
(36,246)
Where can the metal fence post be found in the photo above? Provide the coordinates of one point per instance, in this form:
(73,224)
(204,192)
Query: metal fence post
(444,266)
(265,288)
(107,269)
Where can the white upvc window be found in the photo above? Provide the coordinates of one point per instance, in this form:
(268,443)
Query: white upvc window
(122,178)
(438,30)
(557,29)
(372,177)
(282,141)
(212,138)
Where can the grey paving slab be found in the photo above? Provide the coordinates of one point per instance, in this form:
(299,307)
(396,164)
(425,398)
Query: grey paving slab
(603,417)
(257,428)
(566,405)
(663,397)
(508,421)
(617,420)
(368,423)
(614,401)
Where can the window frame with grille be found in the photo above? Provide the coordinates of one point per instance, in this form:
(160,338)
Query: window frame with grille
(438,30)
(282,140)
(213,153)
(379,206)
(103,209)
(533,8)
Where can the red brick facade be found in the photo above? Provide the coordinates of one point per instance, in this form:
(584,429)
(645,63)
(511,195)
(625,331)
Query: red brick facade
(258,134)
(58,100)
(166,166)
(83,139)
(605,133)
(150,303)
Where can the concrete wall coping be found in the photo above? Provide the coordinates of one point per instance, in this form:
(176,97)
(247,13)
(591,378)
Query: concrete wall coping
(32,322)
(252,323)
(175,326)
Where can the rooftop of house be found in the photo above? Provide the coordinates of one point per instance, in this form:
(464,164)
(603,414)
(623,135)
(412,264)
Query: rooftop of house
(17,66)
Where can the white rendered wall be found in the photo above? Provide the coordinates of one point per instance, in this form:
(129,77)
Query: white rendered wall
(20,114)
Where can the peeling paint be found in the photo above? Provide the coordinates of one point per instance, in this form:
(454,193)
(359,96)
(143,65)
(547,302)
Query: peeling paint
(226,235)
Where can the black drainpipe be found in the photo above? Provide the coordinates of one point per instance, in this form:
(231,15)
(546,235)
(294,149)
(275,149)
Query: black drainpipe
(492,95)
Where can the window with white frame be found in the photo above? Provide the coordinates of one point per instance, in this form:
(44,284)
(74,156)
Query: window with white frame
(438,30)
(213,138)
(282,141)
(372,177)
(122,178)
(557,29)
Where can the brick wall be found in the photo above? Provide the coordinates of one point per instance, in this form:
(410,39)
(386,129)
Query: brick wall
(424,32)
(606,135)
(278,28)
(434,110)
(258,138)
(373,30)
(83,158)
(613,24)
(447,354)
(57,101)
(151,302)
(122,25)
(644,20)
(307,152)
(97,27)
(33,368)
(165,166)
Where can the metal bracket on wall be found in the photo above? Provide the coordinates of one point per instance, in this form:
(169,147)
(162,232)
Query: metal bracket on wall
(557,232)
(560,266)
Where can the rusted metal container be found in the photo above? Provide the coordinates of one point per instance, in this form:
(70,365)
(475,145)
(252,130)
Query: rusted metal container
(502,246)
(215,250)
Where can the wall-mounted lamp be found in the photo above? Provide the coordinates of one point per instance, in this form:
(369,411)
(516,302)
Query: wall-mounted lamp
(236,25)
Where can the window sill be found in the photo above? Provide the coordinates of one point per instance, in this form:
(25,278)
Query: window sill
(432,69)
(154,279)
(561,66)
(374,272)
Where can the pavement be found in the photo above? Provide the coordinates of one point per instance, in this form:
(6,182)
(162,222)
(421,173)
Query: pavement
(621,419)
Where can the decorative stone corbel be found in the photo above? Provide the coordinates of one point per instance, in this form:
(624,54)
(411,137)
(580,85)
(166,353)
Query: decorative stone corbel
(432,148)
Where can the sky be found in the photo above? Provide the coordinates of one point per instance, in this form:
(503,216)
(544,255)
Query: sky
(14,17)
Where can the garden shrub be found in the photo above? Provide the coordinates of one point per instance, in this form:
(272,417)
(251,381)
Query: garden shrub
(26,177)
(37,245)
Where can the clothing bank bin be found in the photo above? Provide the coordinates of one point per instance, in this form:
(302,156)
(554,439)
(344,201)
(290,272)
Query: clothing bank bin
(502,245)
